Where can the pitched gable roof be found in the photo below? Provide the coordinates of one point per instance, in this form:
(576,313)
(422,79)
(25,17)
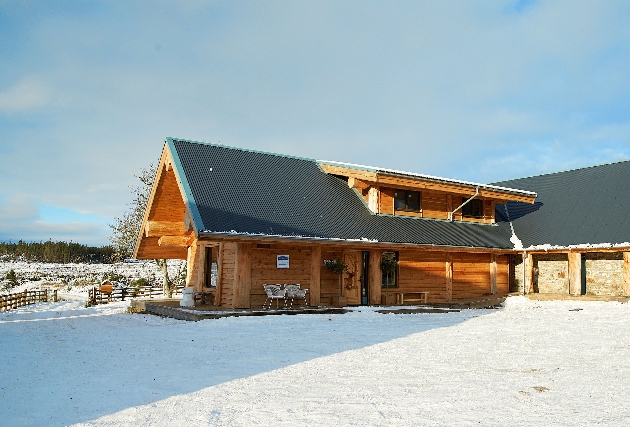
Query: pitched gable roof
(235,191)
(576,207)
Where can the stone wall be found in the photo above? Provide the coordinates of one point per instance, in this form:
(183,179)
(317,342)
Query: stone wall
(604,273)
(551,272)
(516,281)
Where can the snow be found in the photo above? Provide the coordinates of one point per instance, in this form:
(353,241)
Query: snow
(562,363)
(77,278)
(550,247)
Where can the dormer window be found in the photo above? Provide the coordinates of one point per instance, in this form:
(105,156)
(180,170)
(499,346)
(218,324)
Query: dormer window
(472,209)
(407,200)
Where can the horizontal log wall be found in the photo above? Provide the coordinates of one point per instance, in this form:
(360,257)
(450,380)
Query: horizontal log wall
(265,271)
(434,204)
(329,287)
(471,275)
(228,262)
(503,274)
(422,272)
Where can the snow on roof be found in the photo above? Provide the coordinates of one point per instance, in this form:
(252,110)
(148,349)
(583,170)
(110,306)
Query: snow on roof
(428,177)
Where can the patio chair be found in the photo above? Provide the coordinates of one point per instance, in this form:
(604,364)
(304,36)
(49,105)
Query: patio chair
(274,293)
(294,292)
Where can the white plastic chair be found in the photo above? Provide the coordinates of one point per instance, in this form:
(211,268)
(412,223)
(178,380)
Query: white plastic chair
(294,292)
(274,293)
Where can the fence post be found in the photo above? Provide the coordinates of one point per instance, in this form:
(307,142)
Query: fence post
(55,295)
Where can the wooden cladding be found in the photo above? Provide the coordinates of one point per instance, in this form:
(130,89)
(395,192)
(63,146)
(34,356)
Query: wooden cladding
(446,276)
(419,183)
(435,205)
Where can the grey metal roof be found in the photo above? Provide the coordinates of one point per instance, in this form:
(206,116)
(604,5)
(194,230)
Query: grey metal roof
(241,191)
(576,207)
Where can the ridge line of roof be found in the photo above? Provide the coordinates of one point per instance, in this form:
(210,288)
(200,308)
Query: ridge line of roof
(568,170)
(376,169)
(249,150)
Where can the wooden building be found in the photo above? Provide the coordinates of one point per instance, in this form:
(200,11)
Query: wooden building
(244,218)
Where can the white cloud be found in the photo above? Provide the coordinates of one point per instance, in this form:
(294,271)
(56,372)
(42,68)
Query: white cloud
(25,95)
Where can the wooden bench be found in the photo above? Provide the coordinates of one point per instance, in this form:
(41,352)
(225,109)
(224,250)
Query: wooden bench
(403,297)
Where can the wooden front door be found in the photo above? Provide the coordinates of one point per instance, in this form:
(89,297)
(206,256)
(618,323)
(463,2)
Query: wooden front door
(351,278)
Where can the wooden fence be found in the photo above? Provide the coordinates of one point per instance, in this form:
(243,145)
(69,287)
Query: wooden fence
(105,294)
(12,301)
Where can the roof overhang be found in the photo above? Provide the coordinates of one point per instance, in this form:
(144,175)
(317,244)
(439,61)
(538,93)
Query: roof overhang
(369,176)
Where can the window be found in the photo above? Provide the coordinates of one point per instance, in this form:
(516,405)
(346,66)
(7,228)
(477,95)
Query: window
(389,269)
(211,267)
(406,200)
(472,209)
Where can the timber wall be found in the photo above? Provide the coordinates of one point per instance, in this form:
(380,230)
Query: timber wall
(228,262)
(422,272)
(418,271)
(265,271)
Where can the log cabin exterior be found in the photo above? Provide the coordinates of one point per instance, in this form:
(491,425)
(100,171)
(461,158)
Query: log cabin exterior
(233,214)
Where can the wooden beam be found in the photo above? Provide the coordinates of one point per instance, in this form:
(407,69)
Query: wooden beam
(242,276)
(350,244)
(349,172)
(192,267)
(217,294)
(201,270)
(626,274)
(163,228)
(575,273)
(420,183)
(449,277)
(493,274)
(176,240)
(316,267)
(528,283)
(375,277)
(357,183)
(373,199)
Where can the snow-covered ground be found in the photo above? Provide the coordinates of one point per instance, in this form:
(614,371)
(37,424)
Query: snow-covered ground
(529,363)
(76,279)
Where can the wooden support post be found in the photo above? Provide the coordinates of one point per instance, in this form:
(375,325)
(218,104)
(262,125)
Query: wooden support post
(493,274)
(373,199)
(242,276)
(217,293)
(316,267)
(449,277)
(201,269)
(528,266)
(192,274)
(575,273)
(626,274)
(375,277)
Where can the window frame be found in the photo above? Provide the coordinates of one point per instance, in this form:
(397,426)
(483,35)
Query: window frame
(468,210)
(393,285)
(405,198)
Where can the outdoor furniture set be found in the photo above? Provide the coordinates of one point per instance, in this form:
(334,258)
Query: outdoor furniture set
(276,292)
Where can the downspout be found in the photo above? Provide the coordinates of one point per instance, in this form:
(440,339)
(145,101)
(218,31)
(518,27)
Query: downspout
(450,215)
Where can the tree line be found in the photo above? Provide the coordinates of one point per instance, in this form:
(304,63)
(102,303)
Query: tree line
(60,252)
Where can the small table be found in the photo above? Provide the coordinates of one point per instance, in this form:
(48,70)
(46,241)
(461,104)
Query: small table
(421,297)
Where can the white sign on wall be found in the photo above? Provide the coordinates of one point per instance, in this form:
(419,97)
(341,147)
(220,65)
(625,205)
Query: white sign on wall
(282,261)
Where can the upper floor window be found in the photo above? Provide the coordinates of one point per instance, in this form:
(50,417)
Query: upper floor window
(406,200)
(473,209)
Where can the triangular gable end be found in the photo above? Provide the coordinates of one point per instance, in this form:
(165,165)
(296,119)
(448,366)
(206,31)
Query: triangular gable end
(168,226)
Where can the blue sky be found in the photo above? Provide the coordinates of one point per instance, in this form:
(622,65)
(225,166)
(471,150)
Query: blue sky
(474,90)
